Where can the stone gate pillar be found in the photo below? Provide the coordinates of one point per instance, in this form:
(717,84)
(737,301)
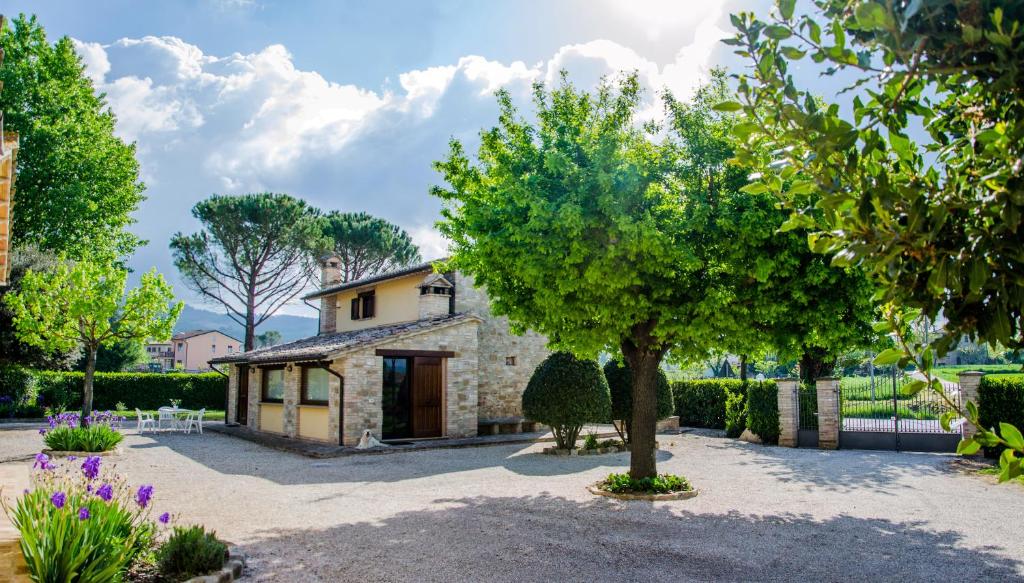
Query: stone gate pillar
(969,383)
(789,411)
(828,412)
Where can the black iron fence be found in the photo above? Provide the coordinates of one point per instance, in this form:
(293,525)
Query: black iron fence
(881,403)
(808,395)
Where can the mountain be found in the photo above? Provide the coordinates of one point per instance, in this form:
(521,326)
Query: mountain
(290,327)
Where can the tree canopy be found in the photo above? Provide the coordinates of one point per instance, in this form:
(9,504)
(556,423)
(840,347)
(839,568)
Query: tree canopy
(367,245)
(578,230)
(83,303)
(255,254)
(78,183)
(921,185)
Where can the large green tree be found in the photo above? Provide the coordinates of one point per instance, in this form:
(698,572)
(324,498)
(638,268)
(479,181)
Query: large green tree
(78,183)
(83,303)
(919,180)
(786,299)
(367,245)
(578,229)
(255,254)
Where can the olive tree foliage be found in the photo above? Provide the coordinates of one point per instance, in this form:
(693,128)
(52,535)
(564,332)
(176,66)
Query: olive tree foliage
(254,254)
(78,183)
(83,303)
(620,383)
(919,180)
(578,229)
(367,245)
(566,393)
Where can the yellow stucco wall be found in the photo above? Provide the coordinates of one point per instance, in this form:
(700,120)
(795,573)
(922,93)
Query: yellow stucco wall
(313,422)
(272,417)
(396,300)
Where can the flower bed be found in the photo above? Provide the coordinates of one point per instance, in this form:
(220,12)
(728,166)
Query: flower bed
(81,521)
(660,487)
(68,436)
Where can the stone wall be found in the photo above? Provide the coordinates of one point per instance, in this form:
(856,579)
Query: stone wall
(232,411)
(506,361)
(828,412)
(364,380)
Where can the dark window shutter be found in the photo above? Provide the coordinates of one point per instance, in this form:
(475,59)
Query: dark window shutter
(368,307)
(355,308)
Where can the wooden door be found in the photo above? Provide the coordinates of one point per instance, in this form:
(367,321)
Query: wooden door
(242,405)
(427,396)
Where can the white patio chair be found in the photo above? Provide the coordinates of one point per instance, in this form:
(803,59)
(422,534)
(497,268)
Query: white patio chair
(144,420)
(166,415)
(195,420)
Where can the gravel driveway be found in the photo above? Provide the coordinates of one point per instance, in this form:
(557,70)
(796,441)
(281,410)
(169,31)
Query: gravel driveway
(508,513)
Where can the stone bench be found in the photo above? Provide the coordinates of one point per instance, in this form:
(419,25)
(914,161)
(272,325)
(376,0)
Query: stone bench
(499,425)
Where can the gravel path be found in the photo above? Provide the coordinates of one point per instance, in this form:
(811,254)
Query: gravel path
(508,513)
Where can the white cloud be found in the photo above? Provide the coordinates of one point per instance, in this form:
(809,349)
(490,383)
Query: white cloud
(249,122)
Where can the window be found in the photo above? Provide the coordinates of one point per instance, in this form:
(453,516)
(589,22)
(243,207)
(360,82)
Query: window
(315,385)
(213,348)
(510,361)
(273,385)
(435,290)
(230,347)
(362,306)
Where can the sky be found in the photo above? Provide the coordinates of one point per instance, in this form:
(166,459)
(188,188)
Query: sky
(346,104)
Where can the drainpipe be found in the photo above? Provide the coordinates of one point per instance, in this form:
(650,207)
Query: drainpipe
(326,365)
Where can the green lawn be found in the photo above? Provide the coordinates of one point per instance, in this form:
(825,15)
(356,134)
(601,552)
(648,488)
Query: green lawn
(211,415)
(952,373)
(996,471)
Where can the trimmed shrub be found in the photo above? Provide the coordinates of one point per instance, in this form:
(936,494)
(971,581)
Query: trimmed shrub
(63,390)
(701,403)
(620,384)
(660,484)
(189,552)
(1000,400)
(18,392)
(565,393)
(735,413)
(763,410)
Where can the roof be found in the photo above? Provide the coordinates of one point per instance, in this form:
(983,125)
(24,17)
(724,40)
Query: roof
(194,333)
(327,346)
(401,272)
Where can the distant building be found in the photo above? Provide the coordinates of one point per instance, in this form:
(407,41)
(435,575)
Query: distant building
(191,351)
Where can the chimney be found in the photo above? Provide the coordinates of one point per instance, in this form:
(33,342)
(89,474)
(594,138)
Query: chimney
(330,274)
(435,295)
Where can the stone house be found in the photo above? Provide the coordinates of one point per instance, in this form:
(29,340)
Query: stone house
(409,354)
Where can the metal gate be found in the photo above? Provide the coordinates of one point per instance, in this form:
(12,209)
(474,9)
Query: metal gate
(876,413)
(807,433)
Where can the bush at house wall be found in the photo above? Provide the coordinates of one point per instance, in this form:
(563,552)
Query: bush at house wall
(18,392)
(63,390)
(1000,400)
(565,393)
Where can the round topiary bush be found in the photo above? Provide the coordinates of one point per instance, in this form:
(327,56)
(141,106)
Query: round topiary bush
(566,392)
(620,383)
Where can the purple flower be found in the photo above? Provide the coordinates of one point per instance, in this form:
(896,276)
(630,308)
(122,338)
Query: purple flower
(91,467)
(58,499)
(143,495)
(165,518)
(72,458)
(42,431)
(88,487)
(106,492)
(42,461)
(83,513)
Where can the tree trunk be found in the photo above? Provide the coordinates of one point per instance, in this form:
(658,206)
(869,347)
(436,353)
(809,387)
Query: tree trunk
(90,371)
(743,368)
(250,328)
(816,363)
(643,362)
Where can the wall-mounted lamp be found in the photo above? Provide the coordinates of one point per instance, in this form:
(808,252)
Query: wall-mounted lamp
(289,367)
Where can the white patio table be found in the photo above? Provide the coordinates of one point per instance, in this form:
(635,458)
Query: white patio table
(173,417)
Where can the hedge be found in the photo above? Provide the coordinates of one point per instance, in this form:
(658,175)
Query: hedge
(763,410)
(1000,400)
(63,390)
(702,403)
(566,392)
